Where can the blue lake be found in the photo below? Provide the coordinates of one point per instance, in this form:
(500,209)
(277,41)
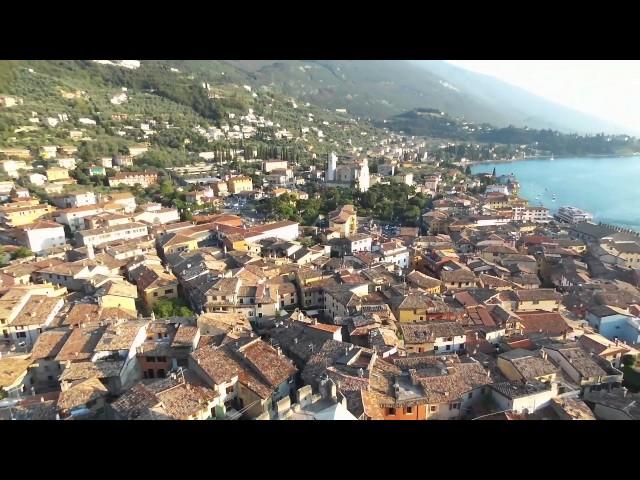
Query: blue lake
(608,187)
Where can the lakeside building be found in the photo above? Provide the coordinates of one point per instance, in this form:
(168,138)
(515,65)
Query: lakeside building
(573,215)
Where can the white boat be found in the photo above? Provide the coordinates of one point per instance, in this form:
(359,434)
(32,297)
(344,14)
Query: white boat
(551,157)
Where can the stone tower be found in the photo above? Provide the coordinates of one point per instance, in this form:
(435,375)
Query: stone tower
(332,164)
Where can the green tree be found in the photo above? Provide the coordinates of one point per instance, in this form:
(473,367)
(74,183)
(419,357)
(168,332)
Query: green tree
(182,311)
(163,308)
(22,252)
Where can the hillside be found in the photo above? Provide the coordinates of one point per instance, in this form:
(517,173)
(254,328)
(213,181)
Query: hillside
(522,108)
(380,89)
(167,103)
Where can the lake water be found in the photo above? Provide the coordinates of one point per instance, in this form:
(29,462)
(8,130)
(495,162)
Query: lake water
(608,187)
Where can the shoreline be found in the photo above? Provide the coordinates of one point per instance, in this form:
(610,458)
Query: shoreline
(554,208)
(548,157)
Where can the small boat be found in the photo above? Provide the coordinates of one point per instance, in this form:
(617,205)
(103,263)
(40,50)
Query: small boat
(551,157)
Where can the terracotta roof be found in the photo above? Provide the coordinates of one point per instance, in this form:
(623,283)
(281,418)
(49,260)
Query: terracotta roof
(550,323)
(325,327)
(81,313)
(86,370)
(49,344)
(184,335)
(423,281)
(11,368)
(538,294)
(80,345)
(430,331)
(81,393)
(257,366)
(148,277)
(119,337)
(530,365)
(36,310)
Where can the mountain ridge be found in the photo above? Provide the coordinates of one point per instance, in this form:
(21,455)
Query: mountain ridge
(380,89)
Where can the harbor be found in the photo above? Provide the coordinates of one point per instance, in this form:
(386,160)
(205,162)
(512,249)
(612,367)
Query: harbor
(602,186)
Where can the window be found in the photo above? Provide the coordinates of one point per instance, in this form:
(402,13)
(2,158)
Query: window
(470,395)
(229,390)
(21,334)
(161,359)
(433,408)
(168,291)
(448,347)
(409,410)
(155,294)
(392,411)
(151,359)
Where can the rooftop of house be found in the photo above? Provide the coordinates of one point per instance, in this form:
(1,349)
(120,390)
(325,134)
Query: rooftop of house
(12,368)
(423,281)
(120,337)
(330,354)
(118,289)
(424,379)
(530,365)
(617,399)
(148,277)
(550,323)
(81,343)
(49,344)
(227,321)
(85,370)
(513,390)
(185,335)
(572,408)
(606,311)
(257,365)
(430,331)
(581,360)
(114,228)
(36,310)
(490,281)
(81,393)
(538,295)
(600,345)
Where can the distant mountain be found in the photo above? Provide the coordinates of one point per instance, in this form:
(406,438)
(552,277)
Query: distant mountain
(381,89)
(434,124)
(519,106)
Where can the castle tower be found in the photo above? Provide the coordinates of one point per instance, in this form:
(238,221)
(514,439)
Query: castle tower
(331,167)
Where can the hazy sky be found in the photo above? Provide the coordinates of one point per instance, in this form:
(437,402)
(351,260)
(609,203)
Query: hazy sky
(609,89)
